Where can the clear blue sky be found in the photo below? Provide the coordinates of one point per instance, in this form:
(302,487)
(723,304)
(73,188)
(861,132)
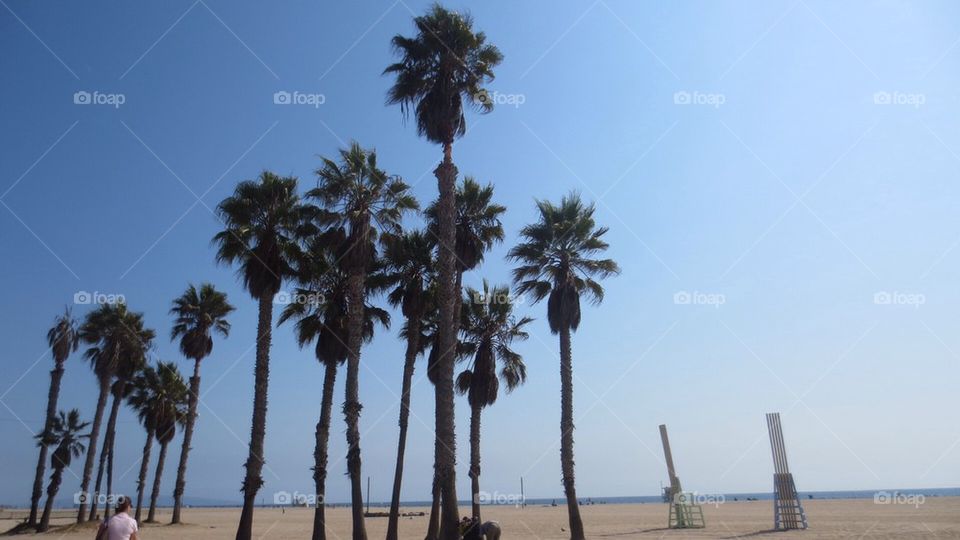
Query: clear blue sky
(790,159)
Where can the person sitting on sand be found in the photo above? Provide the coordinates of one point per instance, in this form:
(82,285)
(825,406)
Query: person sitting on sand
(472,529)
(120,526)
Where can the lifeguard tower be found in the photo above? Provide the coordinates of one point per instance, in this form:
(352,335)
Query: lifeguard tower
(685,513)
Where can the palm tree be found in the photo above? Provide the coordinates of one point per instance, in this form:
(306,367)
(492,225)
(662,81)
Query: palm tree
(169,409)
(262,221)
(134,342)
(358,198)
(320,311)
(408,269)
(478,228)
(489,329)
(143,400)
(556,262)
(444,63)
(63,339)
(102,330)
(199,313)
(64,432)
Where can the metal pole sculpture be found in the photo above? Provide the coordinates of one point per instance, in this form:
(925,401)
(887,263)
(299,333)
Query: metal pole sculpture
(787,511)
(684,512)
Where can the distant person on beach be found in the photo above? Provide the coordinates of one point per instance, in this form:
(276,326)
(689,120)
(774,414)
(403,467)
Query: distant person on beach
(120,526)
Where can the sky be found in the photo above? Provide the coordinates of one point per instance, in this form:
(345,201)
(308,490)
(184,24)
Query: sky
(778,177)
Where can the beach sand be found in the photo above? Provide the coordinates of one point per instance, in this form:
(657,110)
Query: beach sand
(937,517)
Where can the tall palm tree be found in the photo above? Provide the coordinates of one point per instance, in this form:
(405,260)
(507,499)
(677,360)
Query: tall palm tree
(134,342)
(101,330)
(444,63)
(408,270)
(359,199)
(169,410)
(65,434)
(143,400)
(478,229)
(489,329)
(320,311)
(262,221)
(199,314)
(63,339)
(557,262)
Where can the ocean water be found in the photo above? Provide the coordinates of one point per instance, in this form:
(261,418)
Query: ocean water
(709,497)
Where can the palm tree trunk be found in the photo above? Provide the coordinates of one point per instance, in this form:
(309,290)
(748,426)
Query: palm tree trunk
(433,526)
(121,390)
(109,500)
(566,435)
(105,451)
(254,465)
(56,375)
(95,500)
(445,458)
(475,460)
(157,476)
(55,479)
(92,450)
(320,451)
(187,437)
(413,333)
(144,465)
(351,405)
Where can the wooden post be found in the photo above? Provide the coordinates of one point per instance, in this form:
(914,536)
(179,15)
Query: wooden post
(668,457)
(523,498)
(368,494)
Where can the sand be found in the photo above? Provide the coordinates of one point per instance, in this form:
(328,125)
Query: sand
(936,518)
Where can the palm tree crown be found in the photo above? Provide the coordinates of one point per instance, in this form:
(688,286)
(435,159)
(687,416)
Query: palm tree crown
(408,271)
(555,260)
(200,312)
(488,329)
(443,64)
(477,219)
(262,220)
(63,337)
(320,306)
(119,340)
(160,398)
(65,433)
(358,198)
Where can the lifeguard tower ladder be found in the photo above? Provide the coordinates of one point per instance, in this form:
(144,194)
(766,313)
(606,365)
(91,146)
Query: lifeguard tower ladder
(685,513)
(787,511)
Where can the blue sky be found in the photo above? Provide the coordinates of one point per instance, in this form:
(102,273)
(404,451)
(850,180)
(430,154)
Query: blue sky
(779,179)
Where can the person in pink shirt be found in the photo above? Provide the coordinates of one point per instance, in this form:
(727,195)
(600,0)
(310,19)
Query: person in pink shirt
(120,526)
